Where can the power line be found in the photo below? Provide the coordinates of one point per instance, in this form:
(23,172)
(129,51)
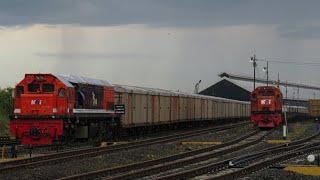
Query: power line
(290,61)
(297,63)
(260,80)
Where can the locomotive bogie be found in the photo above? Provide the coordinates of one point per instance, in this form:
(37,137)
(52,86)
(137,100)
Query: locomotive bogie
(267,120)
(37,132)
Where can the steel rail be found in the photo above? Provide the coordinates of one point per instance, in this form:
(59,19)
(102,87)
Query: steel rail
(293,144)
(155,166)
(219,166)
(269,162)
(92,152)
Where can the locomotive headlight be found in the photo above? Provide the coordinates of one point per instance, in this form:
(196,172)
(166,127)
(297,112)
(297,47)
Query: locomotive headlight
(17,111)
(54,110)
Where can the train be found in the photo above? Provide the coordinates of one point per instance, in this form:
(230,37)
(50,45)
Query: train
(50,108)
(267,108)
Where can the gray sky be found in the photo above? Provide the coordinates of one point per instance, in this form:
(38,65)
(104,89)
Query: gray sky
(169,44)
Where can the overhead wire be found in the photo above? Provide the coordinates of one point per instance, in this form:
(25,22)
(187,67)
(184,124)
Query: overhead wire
(290,61)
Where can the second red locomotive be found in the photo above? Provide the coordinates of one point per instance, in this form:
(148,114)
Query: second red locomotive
(266,106)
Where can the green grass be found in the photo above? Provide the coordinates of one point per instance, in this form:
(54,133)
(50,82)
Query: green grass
(4,122)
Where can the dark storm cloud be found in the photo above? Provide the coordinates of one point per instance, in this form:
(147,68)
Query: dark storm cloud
(157,12)
(190,13)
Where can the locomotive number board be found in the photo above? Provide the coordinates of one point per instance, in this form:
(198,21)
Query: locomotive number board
(119,109)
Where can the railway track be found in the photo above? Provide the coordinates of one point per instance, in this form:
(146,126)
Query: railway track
(257,161)
(148,168)
(45,150)
(49,149)
(308,148)
(92,152)
(229,168)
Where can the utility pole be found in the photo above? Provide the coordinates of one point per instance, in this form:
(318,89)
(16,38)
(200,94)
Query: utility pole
(267,73)
(254,63)
(278,85)
(285,126)
(286,89)
(266,69)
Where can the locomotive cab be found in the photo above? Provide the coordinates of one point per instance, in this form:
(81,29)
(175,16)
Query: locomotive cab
(41,95)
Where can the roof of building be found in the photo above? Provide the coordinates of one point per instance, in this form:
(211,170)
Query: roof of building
(244,86)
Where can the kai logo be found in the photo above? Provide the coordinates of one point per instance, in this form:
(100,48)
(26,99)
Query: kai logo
(266,102)
(36,102)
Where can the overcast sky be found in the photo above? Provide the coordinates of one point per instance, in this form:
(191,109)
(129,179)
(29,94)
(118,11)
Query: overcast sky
(168,44)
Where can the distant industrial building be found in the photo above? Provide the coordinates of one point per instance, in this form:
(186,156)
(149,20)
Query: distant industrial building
(227,89)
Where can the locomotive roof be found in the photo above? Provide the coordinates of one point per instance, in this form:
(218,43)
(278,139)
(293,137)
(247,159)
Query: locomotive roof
(69,79)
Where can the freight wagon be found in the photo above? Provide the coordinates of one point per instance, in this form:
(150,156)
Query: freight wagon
(149,106)
(297,112)
(314,108)
(51,108)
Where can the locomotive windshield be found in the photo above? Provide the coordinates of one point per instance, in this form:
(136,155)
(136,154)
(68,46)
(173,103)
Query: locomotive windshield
(38,88)
(47,88)
(266,93)
(33,88)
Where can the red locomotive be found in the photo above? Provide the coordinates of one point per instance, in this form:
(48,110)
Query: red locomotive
(266,106)
(47,107)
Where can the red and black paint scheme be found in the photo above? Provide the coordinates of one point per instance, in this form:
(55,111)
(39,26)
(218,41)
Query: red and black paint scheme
(51,108)
(266,106)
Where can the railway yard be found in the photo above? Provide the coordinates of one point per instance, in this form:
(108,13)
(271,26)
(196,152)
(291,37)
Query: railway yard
(239,150)
(74,127)
(159,90)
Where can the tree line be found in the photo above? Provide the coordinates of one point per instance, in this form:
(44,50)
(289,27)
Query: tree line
(6,101)
(6,108)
